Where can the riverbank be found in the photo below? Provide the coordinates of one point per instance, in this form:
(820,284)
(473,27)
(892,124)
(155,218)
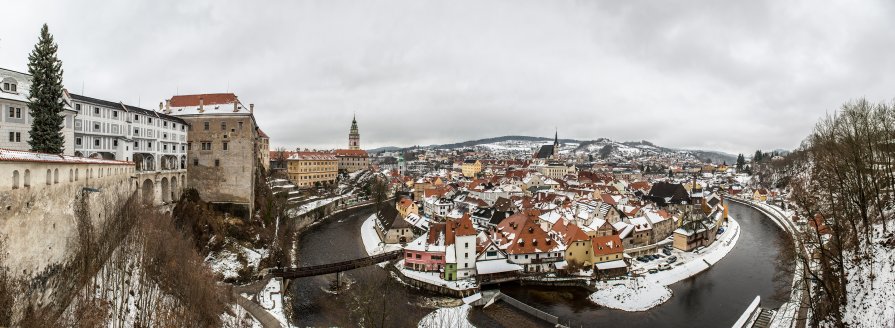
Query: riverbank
(643,293)
(372,243)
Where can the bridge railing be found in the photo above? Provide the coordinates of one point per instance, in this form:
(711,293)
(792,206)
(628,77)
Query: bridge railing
(333,267)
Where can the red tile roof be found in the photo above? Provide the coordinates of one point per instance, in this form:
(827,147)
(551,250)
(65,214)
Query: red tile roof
(351,152)
(207,99)
(605,245)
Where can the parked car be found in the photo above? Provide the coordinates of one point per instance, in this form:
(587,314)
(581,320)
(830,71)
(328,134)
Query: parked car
(666,251)
(664,266)
(653,270)
(672,259)
(642,259)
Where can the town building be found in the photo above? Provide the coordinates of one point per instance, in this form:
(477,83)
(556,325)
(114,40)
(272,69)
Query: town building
(471,167)
(308,169)
(15,116)
(222,147)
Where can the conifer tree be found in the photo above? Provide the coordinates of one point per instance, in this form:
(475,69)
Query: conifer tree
(46,96)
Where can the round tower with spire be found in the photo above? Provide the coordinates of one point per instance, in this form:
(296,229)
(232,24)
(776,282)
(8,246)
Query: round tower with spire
(354,135)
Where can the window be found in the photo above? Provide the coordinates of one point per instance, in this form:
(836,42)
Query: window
(240,125)
(78,107)
(136,117)
(96,110)
(15,112)
(224,146)
(149,120)
(96,143)
(223,126)
(206,146)
(217,162)
(77,141)
(195,162)
(95,126)
(207,125)
(115,142)
(15,137)
(136,145)
(136,131)
(115,113)
(165,147)
(189,145)
(165,123)
(149,145)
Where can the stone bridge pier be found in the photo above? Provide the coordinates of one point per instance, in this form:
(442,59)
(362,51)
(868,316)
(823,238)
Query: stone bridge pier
(160,187)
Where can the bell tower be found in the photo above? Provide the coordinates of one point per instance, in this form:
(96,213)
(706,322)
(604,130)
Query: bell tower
(354,135)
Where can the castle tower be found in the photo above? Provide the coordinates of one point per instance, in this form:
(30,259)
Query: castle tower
(353,135)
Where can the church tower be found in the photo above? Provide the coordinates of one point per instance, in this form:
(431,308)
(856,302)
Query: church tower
(353,135)
(556,145)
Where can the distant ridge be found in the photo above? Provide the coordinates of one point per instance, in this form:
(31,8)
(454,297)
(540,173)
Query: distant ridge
(583,146)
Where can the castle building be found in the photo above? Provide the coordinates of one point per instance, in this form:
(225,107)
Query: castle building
(154,141)
(222,148)
(353,135)
(352,159)
(15,116)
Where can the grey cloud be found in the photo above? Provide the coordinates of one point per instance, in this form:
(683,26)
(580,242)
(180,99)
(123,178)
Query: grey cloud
(732,76)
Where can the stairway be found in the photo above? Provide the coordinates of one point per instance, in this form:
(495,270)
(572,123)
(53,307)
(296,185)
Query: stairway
(764,318)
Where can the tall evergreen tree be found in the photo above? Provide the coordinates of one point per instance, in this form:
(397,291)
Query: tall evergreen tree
(46,96)
(757,157)
(741,161)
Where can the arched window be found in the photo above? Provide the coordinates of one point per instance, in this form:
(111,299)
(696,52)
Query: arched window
(55,176)
(15,179)
(49,177)
(27,178)
(77,172)
(71,176)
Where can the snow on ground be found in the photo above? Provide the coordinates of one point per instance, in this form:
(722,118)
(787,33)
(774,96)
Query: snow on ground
(631,294)
(371,239)
(871,303)
(227,264)
(434,278)
(271,299)
(447,317)
(301,210)
(651,289)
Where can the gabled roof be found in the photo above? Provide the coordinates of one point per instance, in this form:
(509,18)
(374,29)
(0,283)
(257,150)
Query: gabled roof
(546,151)
(207,99)
(605,245)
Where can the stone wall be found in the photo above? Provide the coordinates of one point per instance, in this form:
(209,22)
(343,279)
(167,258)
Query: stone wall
(222,175)
(37,201)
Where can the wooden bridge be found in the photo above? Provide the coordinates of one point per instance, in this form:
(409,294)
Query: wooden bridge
(316,270)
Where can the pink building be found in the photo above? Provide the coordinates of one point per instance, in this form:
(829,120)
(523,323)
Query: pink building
(427,253)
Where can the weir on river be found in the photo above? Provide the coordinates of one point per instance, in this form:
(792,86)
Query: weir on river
(758,265)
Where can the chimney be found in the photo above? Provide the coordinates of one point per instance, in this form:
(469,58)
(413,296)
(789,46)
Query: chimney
(235,106)
(201,105)
(251,108)
(168,106)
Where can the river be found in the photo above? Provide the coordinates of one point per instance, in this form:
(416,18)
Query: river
(760,264)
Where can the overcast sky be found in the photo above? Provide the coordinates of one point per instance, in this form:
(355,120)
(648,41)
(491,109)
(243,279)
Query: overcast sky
(734,77)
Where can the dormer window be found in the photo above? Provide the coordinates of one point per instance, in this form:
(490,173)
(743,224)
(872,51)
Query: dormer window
(10,85)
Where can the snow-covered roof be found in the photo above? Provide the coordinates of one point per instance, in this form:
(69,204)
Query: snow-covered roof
(496,266)
(617,264)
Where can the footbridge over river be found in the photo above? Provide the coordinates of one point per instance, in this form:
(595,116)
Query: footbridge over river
(336,267)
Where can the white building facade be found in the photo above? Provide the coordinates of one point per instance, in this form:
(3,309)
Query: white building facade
(15,116)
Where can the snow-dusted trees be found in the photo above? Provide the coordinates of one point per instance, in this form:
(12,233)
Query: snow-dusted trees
(843,184)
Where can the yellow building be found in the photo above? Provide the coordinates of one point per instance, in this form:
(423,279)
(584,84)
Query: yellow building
(471,167)
(310,168)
